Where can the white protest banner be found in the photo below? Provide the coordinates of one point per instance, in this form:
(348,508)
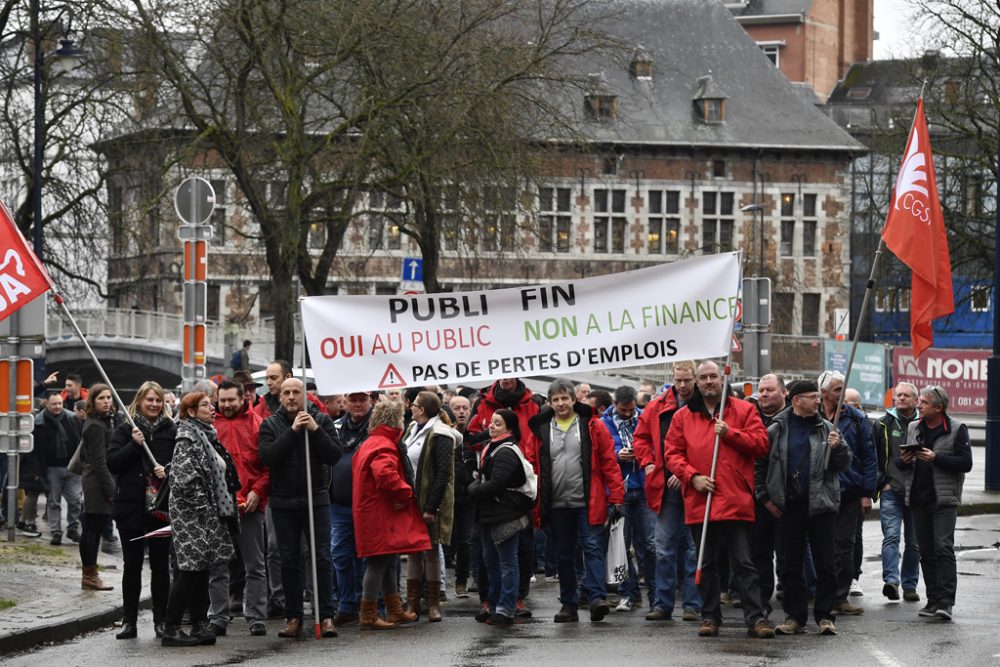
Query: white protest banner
(681,310)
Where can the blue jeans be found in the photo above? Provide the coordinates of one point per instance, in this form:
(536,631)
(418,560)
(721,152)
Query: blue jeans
(673,537)
(640,525)
(501,564)
(571,532)
(348,570)
(894,513)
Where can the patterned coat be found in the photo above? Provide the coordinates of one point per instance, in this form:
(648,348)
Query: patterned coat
(201,537)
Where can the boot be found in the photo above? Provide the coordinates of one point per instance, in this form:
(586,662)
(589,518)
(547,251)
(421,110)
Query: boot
(91,581)
(293,629)
(174,636)
(413,590)
(201,631)
(370,619)
(433,592)
(398,615)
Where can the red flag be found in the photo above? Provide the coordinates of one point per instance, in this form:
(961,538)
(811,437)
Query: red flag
(914,231)
(22,278)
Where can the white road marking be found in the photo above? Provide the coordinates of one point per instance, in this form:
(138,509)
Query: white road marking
(882,657)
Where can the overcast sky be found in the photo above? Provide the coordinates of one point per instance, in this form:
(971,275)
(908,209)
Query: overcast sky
(895,30)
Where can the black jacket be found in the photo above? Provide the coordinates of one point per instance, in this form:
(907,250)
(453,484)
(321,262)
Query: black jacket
(341,476)
(500,472)
(130,465)
(282,451)
(49,430)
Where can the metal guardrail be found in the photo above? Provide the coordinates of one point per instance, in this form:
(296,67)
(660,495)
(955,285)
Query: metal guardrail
(159,328)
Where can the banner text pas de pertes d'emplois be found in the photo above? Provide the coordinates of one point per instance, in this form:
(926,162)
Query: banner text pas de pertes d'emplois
(681,310)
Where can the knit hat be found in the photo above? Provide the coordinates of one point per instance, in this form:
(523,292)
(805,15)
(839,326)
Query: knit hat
(801,387)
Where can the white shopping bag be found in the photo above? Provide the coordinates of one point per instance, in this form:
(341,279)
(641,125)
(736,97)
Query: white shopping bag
(617,560)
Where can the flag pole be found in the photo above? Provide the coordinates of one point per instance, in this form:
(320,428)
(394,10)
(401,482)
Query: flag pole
(100,369)
(869,289)
(722,411)
(309,488)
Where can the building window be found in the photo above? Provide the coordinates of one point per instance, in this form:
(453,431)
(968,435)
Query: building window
(213,305)
(773,53)
(787,205)
(317,235)
(783,313)
(562,235)
(609,230)
(116,218)
(787,238)
(218,220)
(601,107)
(904,300)
(809,238)
(663,222)
(717,222)
(810,314)
(809,206)
(980,302)
(277,194)
(383,228)
(718,168)
(713,110)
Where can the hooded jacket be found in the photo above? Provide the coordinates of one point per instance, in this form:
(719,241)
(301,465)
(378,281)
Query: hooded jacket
(240,436)
(648,442)
(520,401)
(689,449)
(602,479)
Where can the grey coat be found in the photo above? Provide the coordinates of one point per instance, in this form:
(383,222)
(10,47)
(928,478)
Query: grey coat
(98,483)
(201,538)
(824,485)
(953,458)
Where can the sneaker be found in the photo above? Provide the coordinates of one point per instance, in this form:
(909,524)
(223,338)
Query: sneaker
(500,619)
(461,591)
(625,605)
(826,627)
(911,595)
(258,629)
(762,629)
(521,611)
(848,609)
(856,589)
(484,613)
(929,609)
(708,628)
(598,610)
(691,615)
(657,614)
(29,530)
(567,615)
(943,612)
(533,579)
(790,627)
(891,591)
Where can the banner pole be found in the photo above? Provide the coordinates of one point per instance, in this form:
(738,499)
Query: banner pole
(100,369)
(727,369)
(309,489)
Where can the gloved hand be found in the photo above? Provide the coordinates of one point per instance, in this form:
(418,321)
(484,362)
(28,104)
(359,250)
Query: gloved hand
(614,513)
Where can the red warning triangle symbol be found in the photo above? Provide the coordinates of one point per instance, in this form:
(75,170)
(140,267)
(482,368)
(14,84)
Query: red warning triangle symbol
(737,346)
(392,378)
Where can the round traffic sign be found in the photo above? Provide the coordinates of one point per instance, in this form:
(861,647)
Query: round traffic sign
(194,200)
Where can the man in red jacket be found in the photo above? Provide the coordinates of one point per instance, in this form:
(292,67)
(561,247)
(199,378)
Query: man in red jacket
(275,375)
(579,477)
(238,428)
(663,497)
(689,451)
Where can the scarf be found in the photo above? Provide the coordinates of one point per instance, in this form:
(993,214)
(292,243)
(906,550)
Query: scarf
(62,438)
(626,427)
(509,398)
(144,424)
(204,434)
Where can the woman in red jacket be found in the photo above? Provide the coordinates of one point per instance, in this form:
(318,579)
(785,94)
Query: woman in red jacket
(387,521)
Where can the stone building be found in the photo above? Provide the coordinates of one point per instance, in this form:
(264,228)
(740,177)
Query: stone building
(692,125)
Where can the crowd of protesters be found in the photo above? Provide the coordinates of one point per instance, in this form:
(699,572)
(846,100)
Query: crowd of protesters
(503,485)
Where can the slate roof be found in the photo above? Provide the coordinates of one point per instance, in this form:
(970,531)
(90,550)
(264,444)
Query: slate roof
(773,7)
(689,39)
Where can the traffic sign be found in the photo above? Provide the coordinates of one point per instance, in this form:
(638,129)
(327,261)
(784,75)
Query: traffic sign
(413,269)
(756,301)
(194,200)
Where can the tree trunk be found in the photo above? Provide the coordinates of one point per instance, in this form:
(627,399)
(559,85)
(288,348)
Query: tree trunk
(285,313)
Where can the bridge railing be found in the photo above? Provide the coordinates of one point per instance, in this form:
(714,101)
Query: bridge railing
(160,328)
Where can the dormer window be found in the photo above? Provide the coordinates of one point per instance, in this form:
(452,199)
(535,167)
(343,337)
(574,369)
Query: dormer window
(641,66)
(709,101)
(601,107)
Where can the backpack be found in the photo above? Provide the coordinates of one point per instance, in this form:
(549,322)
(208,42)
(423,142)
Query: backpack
(530,486)
(236,361)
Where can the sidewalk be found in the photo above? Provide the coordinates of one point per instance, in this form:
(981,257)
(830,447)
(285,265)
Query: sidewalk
(43,583)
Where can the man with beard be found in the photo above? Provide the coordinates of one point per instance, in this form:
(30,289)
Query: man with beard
(689,453)
(238,428)
(283,450)
(347,568)
(511,393)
